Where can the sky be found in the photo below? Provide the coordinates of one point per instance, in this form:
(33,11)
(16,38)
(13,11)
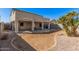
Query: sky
(51,13)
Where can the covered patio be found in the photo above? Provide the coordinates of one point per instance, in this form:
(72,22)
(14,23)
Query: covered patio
(30,25)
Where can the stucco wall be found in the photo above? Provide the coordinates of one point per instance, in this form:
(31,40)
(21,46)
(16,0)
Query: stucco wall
(13,16)
(37,25)
(26,26)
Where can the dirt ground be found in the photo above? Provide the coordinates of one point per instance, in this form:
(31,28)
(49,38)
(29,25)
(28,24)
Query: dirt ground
(57,41)
(40,42)
(54,41)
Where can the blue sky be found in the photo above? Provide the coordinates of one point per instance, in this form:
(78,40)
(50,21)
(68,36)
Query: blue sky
(52,13)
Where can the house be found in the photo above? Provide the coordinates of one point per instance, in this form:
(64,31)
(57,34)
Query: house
(26,21)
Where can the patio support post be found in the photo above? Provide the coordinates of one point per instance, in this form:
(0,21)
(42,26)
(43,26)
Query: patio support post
(49,25)
(16,26)
(42,25)
(2,27)
(33,25)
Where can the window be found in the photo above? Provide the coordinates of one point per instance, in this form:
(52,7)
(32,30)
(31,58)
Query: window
(40,25)
(21,24)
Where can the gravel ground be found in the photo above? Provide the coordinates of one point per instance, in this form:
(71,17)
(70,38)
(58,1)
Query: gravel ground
(65,43)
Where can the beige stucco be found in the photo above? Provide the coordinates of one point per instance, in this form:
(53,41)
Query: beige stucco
(26,26)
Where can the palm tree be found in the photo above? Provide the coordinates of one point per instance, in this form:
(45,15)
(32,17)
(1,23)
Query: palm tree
(69,23)
(64,22)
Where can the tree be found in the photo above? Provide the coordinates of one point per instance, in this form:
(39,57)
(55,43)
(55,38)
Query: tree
(70,23)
